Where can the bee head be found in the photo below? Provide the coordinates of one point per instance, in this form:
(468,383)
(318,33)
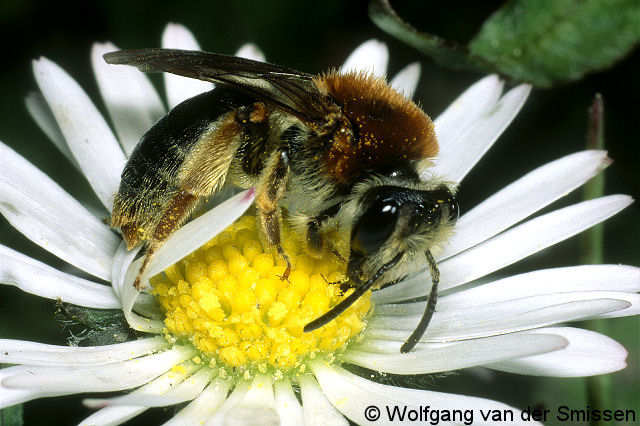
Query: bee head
(398,223)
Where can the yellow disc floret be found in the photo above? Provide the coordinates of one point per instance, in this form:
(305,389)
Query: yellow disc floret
(229,301)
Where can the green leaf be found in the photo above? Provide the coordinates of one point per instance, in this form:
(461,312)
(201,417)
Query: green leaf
(542,42)
(444,52)
(549,41)
(94,327)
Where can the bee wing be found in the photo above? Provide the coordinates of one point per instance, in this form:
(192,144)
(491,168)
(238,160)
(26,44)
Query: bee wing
(291,91)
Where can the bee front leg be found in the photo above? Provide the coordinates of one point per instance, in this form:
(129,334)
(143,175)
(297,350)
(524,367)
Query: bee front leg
(269,193)
(315,231)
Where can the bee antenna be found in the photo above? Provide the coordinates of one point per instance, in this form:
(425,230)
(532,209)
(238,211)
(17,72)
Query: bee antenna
(350,300)
(429,308)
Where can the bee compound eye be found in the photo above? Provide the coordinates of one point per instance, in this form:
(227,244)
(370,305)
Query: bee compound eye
(435,207)
(374,226)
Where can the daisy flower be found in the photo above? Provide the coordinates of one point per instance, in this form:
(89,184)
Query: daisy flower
(208,349)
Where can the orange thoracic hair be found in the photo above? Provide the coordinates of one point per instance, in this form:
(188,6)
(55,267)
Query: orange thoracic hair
(380,126)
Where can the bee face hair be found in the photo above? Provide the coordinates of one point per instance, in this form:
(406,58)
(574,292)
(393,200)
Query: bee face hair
(394,219)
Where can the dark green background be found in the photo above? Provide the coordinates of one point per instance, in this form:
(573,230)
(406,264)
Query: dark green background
(312,36)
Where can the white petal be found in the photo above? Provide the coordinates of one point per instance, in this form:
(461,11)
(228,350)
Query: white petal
(524,197)
(51,218)
(219,417)
(371,56)
(316,408)
(463,322)
(353,395)
(117,414)
(129,300)
(121,261)
(257,406)
(585,278)
(35,277)
(477,101)
(588,354)
(251,51)
(122,283)
(187,390)
(130,98)
(462,148)
(407,79)
(100,378)
(89,137)
(42,115)
(529,238)
(197,232)
(190,388)
(633,309)
(509,247)
(202,408)
(10,396)
(111,416)
(437,357)
(145,304)
(176,36)
(22,352)
(173,387)
(287,404)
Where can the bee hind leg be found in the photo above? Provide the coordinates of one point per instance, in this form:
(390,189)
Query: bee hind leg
(173,217)
(147,257)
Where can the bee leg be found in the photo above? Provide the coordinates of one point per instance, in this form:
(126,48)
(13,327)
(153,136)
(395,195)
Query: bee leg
(314,239)
(287,271)
(315,242)
(362,288)
(269,193)
(345,283)
(178,211)
(131,234)
(147,257)
(345,286)
(429,308)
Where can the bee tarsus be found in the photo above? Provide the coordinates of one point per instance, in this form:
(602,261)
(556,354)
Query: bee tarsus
(287,271)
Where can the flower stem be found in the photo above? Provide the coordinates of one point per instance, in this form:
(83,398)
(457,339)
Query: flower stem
(598,387)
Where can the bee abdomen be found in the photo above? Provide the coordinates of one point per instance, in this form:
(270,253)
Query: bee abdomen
(152,176)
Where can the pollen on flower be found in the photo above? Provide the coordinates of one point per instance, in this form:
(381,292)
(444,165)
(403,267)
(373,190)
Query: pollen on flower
(229,301)
(179,369)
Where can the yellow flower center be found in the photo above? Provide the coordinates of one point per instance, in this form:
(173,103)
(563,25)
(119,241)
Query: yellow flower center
(229,301)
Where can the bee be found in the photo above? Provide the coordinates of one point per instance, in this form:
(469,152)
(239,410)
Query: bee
(343,151)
